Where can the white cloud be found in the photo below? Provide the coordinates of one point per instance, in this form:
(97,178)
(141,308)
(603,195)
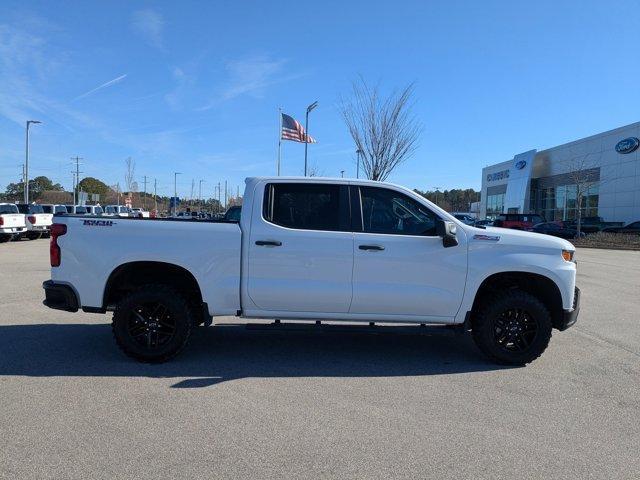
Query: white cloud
(251,76)
(149,24)
(26,65)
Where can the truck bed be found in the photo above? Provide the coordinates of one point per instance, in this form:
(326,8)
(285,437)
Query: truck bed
(93,245)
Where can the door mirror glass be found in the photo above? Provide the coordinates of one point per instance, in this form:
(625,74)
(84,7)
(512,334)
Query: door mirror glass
(447,230)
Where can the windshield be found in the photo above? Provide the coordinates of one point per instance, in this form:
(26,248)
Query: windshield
(60,209)
(81,210)
(97,210)
(8,208)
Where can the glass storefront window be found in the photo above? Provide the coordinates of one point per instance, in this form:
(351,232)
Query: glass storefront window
(560,203)
(495,205)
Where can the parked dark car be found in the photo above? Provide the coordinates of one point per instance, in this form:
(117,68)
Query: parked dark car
(483,223)
(592,224)
(518,221)
(557,230)
(633,227)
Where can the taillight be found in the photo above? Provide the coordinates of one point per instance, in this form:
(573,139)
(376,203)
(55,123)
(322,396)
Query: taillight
(1,221)
(55,255)
(32,219)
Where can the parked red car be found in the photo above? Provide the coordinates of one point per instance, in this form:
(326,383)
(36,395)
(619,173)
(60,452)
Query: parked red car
(518,221)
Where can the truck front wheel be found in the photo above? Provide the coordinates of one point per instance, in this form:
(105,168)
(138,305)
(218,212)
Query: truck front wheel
(512,327)
(152,324)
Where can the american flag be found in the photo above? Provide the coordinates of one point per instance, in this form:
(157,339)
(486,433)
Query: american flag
(293,130)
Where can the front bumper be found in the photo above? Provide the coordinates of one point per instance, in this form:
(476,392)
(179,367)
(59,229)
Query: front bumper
(60,296)
(569,317)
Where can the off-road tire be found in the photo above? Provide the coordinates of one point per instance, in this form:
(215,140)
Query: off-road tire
(496,310)
(127,323)
(33,235)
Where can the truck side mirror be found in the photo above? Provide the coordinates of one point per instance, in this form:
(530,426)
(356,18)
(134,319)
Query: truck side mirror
(447,230)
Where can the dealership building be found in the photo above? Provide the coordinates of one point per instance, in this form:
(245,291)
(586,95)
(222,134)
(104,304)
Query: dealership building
(604,167)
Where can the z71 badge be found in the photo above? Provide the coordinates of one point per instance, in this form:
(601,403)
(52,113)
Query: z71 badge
(98,223)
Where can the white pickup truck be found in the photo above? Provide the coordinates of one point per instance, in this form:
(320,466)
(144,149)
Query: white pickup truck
(12,222)
(37,221)
(316,250)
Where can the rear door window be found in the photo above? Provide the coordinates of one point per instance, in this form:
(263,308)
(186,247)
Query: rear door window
(307,206)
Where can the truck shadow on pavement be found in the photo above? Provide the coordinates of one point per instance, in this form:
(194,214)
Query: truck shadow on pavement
(227,352)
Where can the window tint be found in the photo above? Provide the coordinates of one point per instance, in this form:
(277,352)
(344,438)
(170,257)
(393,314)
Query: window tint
(388,211)
(47,208)
(304,206)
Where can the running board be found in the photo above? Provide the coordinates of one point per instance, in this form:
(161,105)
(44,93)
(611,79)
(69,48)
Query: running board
(418,329)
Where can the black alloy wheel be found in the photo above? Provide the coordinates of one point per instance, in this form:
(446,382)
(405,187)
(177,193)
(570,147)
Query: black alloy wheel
(152,323)
(515,330)
(511,327)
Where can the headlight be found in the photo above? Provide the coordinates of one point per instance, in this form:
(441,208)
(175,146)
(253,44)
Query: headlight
(568,255)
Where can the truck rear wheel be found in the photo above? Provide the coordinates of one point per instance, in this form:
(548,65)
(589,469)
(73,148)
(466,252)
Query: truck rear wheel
(152,324)
(33,235)
(512,327)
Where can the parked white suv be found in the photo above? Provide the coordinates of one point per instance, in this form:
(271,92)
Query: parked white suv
(140,213)
(117,211)
(317,249)
(12,222)
(54,209)
(94,209)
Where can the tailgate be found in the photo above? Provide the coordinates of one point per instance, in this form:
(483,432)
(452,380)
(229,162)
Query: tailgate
(13,220)
(43,219)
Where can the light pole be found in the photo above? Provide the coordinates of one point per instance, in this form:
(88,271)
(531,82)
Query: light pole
(26,162)
(342,173)
(200,191)
(437,188)
(175,191)
(306,138)
(358,152)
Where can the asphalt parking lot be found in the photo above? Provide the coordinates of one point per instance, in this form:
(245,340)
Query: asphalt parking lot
(241,403)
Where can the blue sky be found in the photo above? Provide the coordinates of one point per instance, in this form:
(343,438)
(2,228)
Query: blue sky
(195,86)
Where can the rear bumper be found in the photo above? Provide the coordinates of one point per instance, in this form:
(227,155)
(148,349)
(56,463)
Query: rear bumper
(12,230)
(60,296)
(569,317)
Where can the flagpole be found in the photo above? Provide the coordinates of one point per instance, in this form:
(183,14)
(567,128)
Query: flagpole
(279,139)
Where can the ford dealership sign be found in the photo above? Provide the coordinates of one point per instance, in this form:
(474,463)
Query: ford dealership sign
(627,145)
(521,164)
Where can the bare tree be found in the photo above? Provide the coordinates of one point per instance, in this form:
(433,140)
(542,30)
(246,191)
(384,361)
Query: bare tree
(129,177)
(582,174)
(314,171)
(384,129)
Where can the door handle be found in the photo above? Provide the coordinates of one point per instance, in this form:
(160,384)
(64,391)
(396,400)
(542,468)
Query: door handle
(371,247)
(268,243)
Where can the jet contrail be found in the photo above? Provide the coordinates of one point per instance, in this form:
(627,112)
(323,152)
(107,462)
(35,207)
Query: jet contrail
(104,85)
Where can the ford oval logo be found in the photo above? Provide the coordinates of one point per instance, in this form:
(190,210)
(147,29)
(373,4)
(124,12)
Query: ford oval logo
(521,164)
(627,145)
